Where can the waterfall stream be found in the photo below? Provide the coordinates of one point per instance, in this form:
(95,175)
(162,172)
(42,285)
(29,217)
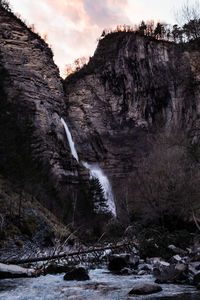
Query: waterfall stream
(70,140)
(95,172)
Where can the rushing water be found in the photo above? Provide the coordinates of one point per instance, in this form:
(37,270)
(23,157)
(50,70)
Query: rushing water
(95,172)
(102,286)
(70,140)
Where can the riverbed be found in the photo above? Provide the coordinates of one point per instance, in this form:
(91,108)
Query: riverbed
(102,285)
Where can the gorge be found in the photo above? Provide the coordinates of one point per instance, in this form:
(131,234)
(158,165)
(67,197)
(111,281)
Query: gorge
(134,89)
(99,172)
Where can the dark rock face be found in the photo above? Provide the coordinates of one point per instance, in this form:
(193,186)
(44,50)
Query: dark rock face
(131,87)
(77,274)
(33,146)
(145,289)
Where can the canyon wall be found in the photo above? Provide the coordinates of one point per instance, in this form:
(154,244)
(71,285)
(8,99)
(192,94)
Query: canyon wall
(34,150)
(134,86)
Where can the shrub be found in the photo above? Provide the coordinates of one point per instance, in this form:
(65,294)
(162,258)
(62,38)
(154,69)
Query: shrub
(113,230)
(29,225)
(166,186)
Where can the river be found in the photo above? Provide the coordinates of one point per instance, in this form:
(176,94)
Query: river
(102,286)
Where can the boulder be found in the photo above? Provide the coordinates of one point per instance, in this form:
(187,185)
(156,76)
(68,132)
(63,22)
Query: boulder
(145,289)
(177,250)
(13,271)
(56,269)
(142,272)
(77,274)
(119,261)
(176,259)
(193,268)
(154,260)
(145,267)
(128,271)
(133,260)
(171,273)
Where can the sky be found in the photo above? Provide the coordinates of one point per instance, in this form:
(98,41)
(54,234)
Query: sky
(73,26)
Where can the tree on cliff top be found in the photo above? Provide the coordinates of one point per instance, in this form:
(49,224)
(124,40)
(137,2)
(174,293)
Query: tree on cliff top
(188,17)
(5,4)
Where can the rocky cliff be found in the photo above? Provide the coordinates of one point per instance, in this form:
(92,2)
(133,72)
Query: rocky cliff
(132,87)
(34,151)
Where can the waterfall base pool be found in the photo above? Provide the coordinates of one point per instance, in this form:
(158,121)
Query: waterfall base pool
(101,286)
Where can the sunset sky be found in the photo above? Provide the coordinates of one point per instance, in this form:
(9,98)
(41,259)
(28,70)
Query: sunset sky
(73,26)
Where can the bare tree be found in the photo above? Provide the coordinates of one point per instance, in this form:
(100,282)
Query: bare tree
(166,183)
(190,10)
(76,65)
(188,17)
(5,4)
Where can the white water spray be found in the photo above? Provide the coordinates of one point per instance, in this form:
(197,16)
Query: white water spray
(96,172)
(70,140)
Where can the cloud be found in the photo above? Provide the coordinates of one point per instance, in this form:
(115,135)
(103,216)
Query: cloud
(106,13)
(73,26)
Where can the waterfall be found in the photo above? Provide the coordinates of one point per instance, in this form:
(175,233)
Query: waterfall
(96,172)
(70,140)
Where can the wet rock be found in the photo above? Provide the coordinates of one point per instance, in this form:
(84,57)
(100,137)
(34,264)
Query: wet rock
(133,260)
(128,271)
(77,274)
(146,268)
(177,250)
(154,260)
(135,251)
(120,261)
(193,268)
(195,253)
(145,289)
(56,269)
(171,273)
(142,272)
(116,263)
(141,261)
(176,259)
(13,271)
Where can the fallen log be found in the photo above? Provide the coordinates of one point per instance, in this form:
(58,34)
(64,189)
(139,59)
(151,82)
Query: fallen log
(13,271)
(66,255)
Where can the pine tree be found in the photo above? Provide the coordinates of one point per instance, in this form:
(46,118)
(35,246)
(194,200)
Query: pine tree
(97,195)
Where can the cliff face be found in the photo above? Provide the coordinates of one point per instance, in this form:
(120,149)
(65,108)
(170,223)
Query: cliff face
(34,151)
(132,86)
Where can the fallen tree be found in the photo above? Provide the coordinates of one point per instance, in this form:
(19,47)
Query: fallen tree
(71,254)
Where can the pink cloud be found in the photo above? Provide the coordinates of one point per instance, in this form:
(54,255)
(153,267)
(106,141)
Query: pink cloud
(72,26)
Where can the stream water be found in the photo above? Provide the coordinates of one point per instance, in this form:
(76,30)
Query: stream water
(101,286)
